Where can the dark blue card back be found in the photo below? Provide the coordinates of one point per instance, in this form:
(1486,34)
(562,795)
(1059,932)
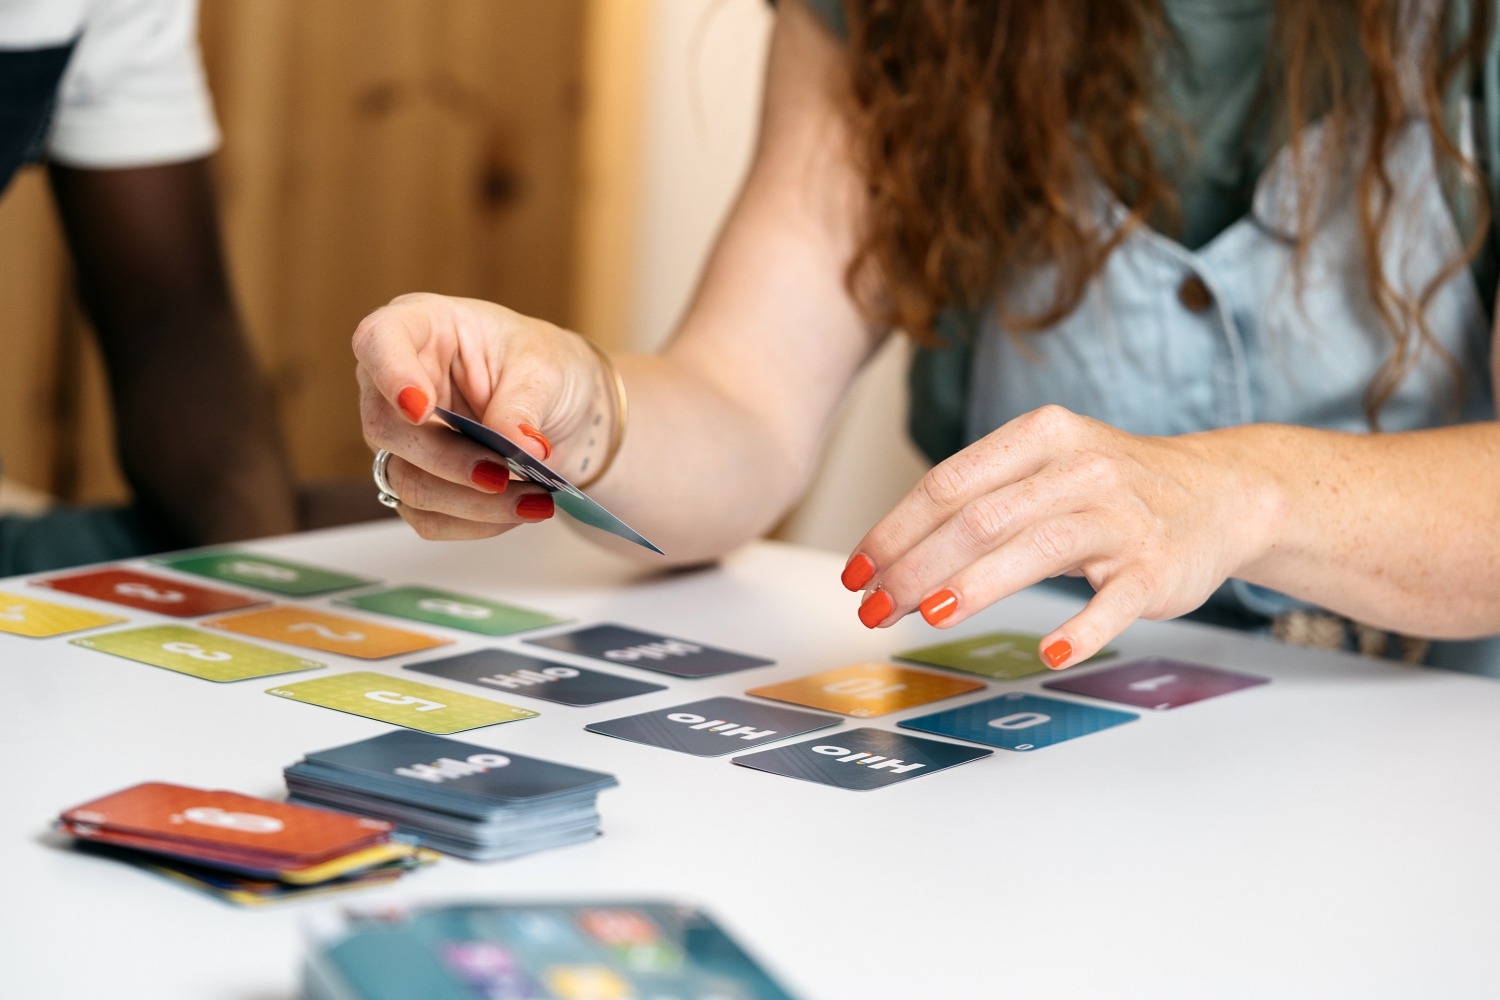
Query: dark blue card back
(651,651)
(534,677)
(714,727)
(861,759)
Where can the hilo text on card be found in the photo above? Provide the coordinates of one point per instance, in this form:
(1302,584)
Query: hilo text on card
(873,761)
(526,678)
(653,651)
(720,726)
(447,769)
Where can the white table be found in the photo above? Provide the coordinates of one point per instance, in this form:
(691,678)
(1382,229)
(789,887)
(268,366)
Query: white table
(1331,834)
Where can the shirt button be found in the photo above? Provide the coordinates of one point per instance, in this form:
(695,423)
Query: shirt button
(1194,294)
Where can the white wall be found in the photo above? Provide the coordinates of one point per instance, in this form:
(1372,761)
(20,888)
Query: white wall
(705,62)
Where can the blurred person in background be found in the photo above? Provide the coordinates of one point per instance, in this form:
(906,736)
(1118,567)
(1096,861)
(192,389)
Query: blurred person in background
(110,95)
(1202,297)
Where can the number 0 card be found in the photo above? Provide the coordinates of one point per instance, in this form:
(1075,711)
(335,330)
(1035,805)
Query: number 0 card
(402,702)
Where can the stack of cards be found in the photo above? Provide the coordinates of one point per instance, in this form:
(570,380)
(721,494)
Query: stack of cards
(461,799)
(546,951)
(238,847)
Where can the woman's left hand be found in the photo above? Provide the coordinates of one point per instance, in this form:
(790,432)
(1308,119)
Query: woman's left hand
(1155,524)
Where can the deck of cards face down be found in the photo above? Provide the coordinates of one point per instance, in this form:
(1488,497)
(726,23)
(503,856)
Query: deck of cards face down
(461,799)
(241,848)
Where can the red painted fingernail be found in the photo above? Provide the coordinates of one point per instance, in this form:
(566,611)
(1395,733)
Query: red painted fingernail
(491,476)
(1057,654)
(939,606)
(876,608)
(539,438)
(535,506)
(413,403)
(858,572)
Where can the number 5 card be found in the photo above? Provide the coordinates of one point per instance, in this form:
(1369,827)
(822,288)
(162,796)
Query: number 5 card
(402,702)
(196,652)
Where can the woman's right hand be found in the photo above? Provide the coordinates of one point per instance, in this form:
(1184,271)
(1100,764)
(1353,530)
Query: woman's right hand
(537,384)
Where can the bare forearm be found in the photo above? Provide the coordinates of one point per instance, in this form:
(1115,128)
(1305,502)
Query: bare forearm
(697,473)
(1400,530)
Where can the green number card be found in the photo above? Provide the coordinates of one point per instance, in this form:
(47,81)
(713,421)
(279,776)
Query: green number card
(441,607)
(278,576)
(1004,656)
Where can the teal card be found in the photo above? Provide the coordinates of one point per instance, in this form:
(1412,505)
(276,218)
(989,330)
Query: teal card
(1004,656)
(279,576)
(462,611)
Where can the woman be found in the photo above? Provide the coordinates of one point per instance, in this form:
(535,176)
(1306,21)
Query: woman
(1185,423)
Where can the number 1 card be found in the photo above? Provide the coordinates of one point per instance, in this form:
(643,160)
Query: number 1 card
(41,619)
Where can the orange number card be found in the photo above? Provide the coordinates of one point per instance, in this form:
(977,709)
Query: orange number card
(865,690)
(330,633)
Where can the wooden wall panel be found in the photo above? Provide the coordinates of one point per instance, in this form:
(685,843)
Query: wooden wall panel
(372,147)
(375,148)
(34,295)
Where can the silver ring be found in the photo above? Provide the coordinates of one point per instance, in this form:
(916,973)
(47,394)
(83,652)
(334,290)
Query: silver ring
(386,496)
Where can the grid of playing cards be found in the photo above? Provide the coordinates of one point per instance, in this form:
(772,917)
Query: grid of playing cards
(433,663)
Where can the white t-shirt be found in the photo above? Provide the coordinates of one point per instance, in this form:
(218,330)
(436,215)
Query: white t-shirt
(134,92)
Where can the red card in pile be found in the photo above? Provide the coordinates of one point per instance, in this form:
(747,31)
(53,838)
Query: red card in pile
(222,828)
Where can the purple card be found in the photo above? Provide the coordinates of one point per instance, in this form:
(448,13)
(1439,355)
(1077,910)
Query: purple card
(1156,682)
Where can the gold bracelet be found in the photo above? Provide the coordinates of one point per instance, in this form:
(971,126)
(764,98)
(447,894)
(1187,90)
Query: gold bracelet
(622,414)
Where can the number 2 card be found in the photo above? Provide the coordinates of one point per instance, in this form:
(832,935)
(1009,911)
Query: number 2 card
(314,629)
(402,702)
(196,652)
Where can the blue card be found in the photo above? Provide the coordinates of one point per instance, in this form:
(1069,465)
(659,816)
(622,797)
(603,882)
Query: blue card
(534,677)
(570,498)
(714,726)
(1019,721)
(861,759)
(446,774)
(662,653)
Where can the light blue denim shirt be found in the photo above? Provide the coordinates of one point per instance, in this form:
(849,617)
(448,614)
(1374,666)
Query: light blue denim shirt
(1169,340)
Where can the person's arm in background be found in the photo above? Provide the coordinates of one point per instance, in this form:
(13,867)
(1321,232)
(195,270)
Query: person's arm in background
(726,423)
(197,434)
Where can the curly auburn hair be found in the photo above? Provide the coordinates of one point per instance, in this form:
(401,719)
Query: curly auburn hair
(977,122)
